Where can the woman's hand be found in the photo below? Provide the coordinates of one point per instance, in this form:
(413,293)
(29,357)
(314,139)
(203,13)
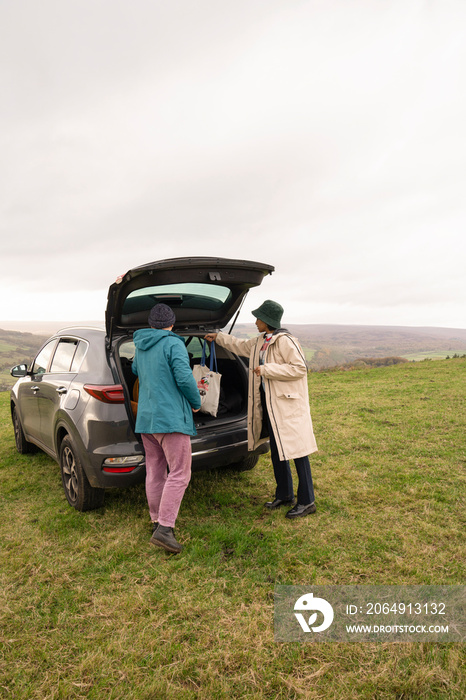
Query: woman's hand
(211,337)
(257,370)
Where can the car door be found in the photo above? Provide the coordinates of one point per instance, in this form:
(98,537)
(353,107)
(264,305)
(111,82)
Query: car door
(30,390)
(54,388)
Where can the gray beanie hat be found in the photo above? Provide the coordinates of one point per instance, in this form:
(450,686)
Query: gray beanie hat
(161,316)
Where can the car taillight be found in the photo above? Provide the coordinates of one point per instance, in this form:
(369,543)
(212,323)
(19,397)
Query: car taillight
(122,465)
(118,470)
(108,393)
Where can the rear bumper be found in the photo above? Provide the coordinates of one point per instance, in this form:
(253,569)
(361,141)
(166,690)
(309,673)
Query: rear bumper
(221,451)
(94,466)
(221,445)
(212,447)
(214,457)
(105,480)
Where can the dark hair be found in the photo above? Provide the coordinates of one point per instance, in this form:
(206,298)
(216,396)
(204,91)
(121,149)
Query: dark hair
(271,328)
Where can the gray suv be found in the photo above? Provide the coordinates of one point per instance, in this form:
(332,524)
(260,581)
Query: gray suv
(77,400)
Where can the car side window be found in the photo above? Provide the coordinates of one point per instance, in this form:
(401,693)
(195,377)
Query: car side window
(64,354)
(79,356)
(43,358)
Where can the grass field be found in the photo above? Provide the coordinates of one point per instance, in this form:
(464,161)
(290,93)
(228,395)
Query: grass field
(89,609)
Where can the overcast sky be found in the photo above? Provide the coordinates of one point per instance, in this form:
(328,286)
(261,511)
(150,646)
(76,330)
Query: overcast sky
(324,137)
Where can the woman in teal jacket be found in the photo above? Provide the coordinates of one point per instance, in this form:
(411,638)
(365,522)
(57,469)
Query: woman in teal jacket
(168,396)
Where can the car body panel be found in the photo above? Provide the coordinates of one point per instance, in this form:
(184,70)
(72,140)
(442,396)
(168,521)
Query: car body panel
(51,396)
(27,403)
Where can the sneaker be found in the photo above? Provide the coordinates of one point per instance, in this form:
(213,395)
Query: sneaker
(300,511)
(165,537)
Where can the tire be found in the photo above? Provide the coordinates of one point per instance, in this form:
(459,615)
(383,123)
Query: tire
(245,464)
(78,491)
(22,445)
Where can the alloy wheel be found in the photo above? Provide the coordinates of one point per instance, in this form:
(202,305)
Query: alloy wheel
(70,477)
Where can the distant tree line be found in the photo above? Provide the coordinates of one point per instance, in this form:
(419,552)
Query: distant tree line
(364,362)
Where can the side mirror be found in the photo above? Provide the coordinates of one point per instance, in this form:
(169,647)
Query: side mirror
(19,371)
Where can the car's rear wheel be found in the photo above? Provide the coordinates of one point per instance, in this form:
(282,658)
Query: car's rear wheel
(245,464)
(78,491)
(22,445)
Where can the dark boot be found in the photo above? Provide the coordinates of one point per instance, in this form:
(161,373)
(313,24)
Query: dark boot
(165,537)
(300,511)
(271,505)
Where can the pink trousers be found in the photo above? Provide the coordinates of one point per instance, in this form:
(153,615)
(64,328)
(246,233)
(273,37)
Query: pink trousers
(168,472)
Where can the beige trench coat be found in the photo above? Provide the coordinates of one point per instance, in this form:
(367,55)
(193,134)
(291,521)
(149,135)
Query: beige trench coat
(286,392)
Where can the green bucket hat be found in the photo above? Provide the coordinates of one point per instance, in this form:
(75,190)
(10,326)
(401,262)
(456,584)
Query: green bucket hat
(270,313)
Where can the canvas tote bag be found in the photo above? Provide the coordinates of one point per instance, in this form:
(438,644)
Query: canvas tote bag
(208,381)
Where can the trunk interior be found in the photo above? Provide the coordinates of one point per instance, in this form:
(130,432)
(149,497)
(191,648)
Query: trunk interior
(234,382)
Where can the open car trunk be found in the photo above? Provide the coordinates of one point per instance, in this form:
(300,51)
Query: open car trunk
(233,386)
(204,293)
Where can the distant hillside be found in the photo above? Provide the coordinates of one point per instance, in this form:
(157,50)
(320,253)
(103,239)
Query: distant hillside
(324,345)
(15,349)
(332,345)
(46,328)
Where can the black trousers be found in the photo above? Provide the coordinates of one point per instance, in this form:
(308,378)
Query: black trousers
(282,471)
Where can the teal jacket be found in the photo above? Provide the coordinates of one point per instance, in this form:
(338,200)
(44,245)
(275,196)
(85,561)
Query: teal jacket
(167,389)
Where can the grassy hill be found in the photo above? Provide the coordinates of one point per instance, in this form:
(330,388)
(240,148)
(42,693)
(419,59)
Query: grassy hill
(90,610)
(15,349)
(331,345)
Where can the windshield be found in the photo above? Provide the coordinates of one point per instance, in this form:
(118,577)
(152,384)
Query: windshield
(206,297)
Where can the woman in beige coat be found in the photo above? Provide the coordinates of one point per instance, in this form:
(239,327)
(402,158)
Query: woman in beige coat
(278,404)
